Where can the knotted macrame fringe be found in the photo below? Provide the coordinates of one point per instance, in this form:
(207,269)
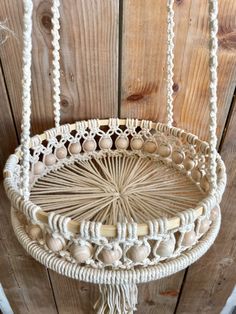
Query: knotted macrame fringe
(117,299)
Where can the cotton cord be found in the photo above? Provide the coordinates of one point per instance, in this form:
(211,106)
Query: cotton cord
(124,189)
(170,60)
(26,96)
(213,63)
(56,60)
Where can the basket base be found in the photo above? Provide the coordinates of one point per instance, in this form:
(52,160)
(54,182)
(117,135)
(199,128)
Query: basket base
(116,187)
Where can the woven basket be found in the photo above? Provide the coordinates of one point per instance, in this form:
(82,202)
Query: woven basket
(115,202)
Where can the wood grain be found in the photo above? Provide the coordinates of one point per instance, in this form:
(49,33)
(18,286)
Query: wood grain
(143,62)
(72,296)
(24,280)
(7,128)
(213,278)
(89,60)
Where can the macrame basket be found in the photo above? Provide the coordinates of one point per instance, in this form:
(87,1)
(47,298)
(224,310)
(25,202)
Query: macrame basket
(115,202)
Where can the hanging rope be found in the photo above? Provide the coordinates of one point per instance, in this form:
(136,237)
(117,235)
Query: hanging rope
(213,63)
(170,60)
(26,96)
(56,60)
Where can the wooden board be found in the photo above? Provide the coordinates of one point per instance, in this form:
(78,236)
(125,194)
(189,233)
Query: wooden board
(24,280)
(144,62)
(89,60)
(213,278)
(8,138)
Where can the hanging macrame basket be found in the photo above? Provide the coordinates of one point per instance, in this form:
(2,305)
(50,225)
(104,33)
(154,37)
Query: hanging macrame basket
(115,202)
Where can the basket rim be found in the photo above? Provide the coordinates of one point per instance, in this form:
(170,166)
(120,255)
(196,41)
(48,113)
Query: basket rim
(109,276)
(107,230)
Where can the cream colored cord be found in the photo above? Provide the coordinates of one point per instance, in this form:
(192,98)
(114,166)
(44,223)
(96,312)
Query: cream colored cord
(56,60)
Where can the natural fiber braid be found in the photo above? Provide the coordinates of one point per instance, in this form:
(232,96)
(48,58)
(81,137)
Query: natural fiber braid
(26,96)
(213,63)
(56,60)
(170,60)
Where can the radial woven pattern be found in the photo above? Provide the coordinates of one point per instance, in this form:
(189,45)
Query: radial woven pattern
(115,188)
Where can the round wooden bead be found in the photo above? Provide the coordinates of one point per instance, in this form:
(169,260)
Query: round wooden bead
(204,225)
(214,213)
(150,146)
(105,143)
(54,244)
(81,253)
(136,143)
(109,256)
(196,174)
(164,150)
(122,142)
(38,168)
(188,163)
(189,238)
(178,157)
(74,148)
(31,177)
(35,232)
(138,253)
(204,184)
(61,152)
(89,145)
(50,160)
(166,248)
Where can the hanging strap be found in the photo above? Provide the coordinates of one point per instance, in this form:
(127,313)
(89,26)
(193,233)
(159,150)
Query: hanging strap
(170,61)
(26,96)
(56,60)
(213,63)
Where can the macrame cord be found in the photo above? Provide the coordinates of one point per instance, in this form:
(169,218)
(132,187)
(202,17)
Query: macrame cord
(26,97)
(116,296)
(170,61)
(56,60)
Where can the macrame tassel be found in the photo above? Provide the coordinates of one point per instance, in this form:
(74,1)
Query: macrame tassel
(117,299)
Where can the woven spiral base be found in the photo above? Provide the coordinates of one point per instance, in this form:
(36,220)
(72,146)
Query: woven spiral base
(116,188)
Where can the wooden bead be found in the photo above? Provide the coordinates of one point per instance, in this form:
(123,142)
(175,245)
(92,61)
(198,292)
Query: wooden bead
(196,174)
(61,152)
(136,143)
(122,142)
(35,232)
(204,184)
(178,157)
(54,244)
(189,238)
(81,253)
(166,248)
(105,143)
(31,177)
(89,145)
(188,163)
(164,150)
(74,148)
(150,147)
(50,160)
(215,213)
(204,225)
(110,256)
(138,253)
(38,168)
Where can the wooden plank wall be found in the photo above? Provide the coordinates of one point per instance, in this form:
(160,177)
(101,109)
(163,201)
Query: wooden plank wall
(113,63)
